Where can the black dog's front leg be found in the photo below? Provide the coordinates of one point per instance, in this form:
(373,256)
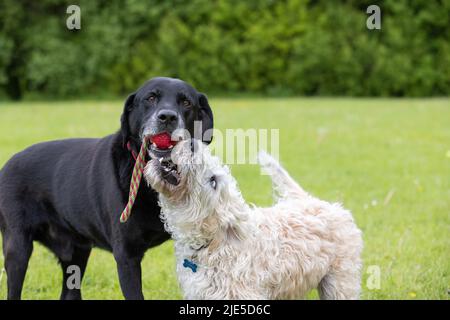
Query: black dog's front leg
(129,270)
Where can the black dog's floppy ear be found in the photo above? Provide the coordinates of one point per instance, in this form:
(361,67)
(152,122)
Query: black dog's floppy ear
(205,115)
(125,127)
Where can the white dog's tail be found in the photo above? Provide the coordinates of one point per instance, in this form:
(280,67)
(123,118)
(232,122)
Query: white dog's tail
(283,185)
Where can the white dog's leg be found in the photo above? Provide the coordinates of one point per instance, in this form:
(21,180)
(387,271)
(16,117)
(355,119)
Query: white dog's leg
(341,285)
(284,186)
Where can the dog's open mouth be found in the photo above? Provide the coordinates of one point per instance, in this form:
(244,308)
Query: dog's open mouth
(169,171)
(161,145)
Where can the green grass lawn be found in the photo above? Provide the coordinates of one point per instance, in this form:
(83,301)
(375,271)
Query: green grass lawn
(387,160)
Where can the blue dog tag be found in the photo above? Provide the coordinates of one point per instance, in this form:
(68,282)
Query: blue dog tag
(190,265)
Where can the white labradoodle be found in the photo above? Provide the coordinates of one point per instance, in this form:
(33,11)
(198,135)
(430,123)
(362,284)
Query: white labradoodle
(228,249)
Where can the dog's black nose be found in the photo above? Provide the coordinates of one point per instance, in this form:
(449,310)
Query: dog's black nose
(167,116)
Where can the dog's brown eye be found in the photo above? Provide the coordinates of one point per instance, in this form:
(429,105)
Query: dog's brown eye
(186,103)
(152,98)
(213,182)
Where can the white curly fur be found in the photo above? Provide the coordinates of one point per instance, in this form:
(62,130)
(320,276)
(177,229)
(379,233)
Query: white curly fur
(246,252)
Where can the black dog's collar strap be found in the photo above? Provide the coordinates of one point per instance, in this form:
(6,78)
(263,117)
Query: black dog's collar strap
(133,153)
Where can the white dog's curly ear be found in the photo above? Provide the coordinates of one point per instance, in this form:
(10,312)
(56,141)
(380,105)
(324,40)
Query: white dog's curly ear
(234,234)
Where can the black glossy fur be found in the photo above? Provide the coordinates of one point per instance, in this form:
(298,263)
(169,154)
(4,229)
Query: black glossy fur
(69,194)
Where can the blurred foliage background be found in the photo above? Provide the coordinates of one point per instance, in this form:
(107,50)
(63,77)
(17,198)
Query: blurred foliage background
(291,47)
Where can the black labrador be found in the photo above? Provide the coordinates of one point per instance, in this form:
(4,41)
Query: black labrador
(69,194)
